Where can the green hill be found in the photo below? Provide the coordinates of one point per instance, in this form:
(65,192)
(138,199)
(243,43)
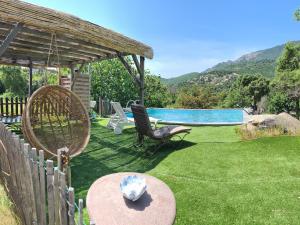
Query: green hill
(260,62)
(180,79)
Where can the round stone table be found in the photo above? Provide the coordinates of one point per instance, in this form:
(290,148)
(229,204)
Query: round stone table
(107,206)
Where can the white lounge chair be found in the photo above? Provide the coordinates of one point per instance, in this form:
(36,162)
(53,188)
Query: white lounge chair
(119,120)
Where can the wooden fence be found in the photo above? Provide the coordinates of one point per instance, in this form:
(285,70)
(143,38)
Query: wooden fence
(11,107)
(37,188)
(103,107)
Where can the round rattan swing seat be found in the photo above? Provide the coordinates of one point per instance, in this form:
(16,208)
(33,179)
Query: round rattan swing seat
(55,118)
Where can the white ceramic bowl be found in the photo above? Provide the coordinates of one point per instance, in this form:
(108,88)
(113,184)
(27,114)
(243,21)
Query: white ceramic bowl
(133,187)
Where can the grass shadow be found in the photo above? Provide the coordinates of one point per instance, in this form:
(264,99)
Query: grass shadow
(108,153)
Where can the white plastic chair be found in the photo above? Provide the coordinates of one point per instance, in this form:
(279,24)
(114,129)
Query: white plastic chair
(119,120)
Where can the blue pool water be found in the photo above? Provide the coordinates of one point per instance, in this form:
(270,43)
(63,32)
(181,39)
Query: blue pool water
(197,116)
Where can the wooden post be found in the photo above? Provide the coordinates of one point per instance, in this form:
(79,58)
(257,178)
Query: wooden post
(27,155)
(36,184)
(1,107)
(11,107)
(100,106)
(17,106)
(72,68)
(71,212)
(26,176)
(56,195)
(62,206)
(50,191)
(6,106)
(80,212)
(142,79)
(30,80)
(42,188)
(21,106)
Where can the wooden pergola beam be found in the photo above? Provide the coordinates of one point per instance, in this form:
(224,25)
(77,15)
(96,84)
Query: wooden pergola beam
(129,69)
(10,37)
(137,64)
(142,80)
(140,66)
(30,79)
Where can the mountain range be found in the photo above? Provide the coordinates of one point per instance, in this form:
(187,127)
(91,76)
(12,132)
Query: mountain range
(260,62)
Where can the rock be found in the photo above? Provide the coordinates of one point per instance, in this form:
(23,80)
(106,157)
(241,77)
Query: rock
(285,121)
(288,122)
(268,123)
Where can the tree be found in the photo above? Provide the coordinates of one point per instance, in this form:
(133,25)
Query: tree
(156,93)
(2,87)
(13,80)
(195,96)
(297,14)
(247,90)
(289,59)
(111,80)
(286,84)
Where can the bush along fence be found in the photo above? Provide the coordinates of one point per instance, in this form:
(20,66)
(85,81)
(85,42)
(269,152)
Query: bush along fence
(37,188)
(11,109)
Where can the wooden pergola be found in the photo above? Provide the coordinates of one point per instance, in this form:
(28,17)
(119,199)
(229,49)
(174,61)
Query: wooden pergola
(28,33)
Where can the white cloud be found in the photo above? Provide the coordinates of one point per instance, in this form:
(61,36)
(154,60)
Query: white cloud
(176,58)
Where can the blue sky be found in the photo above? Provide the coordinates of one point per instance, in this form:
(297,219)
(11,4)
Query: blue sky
(191,35)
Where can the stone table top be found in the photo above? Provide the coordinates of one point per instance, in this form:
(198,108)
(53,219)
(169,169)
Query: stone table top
(107,206)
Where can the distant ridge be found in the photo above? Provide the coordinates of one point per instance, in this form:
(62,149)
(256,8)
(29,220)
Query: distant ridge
(259,62)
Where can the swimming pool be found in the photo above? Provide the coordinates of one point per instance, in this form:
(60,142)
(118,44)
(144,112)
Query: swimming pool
(197,116)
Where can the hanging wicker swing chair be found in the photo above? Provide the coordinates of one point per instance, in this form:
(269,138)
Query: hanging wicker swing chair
(55,118)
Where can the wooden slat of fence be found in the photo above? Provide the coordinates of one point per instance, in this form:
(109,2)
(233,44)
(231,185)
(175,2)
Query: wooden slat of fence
(36,183)
(26,183)
(80,212)
(42,188)
(28,158)
(20,176)
(71,212)
(21,106)
(1,107)
(6,106)
(17,106)
(10,155)
(50,192)
(11,107)
(63,206)
(56,196)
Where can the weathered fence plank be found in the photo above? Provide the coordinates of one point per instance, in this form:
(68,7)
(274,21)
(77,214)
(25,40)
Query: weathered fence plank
(71,204)
(20,182)
(56,195)
(41,194)
(36,183)
(27,183)
(80,212)
(6,106)
(63,205)
(50,174)
(42,188)
(11,107)
(28,158)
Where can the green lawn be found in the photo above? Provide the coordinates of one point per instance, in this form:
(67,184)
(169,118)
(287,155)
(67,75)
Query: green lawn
(216,178)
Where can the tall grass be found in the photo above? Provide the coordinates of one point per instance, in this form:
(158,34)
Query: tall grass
(251,134)
(7,215)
